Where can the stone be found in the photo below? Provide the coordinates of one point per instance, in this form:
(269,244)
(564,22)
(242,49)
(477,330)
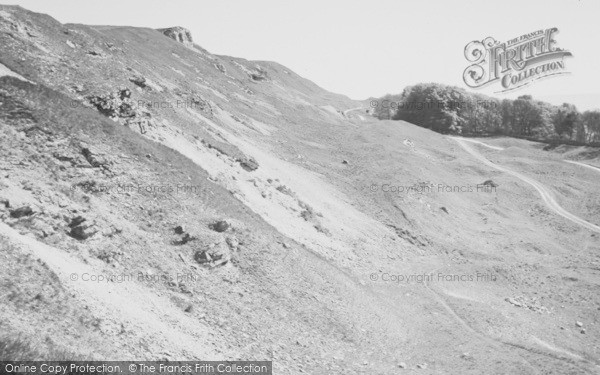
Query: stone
(490,183)
(259,74)
(93,158)
(513,302)
(232,242)
(82,232)
(213,255)
(402,365)
(202,256)
(139,81)
(579,324)
(21,211)
(76,221)
(186,238)
(179,34)
(249,164)
(79,230)
(220,67)
(219,226)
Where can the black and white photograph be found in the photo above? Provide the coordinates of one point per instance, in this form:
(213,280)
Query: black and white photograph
(299,187)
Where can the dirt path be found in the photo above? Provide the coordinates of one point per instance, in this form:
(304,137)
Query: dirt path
(583,165)
(544,192)
(479,143)
(544,349)
(350,110)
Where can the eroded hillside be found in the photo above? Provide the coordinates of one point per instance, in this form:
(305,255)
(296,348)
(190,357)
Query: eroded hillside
(161,202)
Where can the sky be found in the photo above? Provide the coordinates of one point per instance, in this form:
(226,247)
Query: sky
(367,48)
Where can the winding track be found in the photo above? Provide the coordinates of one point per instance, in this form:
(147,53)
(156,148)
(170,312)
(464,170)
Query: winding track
(545,349)
(583,165)
(551,351)
(350,110)
(544,192)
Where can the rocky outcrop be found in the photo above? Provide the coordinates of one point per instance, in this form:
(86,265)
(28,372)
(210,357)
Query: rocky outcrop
(219,226)
(79,230)
(21,211)
(213,255)
(179,34)
(249,164)
(259,74)
(94,158)
(490,183)
(121,108)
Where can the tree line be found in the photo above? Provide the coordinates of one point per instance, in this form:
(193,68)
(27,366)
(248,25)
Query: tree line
(452,110)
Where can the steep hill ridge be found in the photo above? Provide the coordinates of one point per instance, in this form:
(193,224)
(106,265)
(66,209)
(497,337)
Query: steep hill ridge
(275,209)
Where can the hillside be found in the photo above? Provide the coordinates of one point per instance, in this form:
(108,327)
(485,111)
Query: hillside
(160,202)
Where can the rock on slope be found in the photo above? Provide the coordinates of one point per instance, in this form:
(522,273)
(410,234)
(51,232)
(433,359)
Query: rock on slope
(209,193)
(179,34)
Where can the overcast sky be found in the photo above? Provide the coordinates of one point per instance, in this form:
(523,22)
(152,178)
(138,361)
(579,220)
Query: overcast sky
(366,48)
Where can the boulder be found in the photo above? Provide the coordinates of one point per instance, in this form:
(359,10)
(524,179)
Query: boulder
(213,255)
(93,158)
(233,243)
(187,238)
(76,221)
(490,183)
(139,81)
(259,74)
(249,164)
(21,211)
(79,230)
(82,232)
(219,226)
(202,257)
(220,67)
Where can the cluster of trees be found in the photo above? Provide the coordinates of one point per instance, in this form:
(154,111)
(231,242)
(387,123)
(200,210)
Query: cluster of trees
(448,109)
